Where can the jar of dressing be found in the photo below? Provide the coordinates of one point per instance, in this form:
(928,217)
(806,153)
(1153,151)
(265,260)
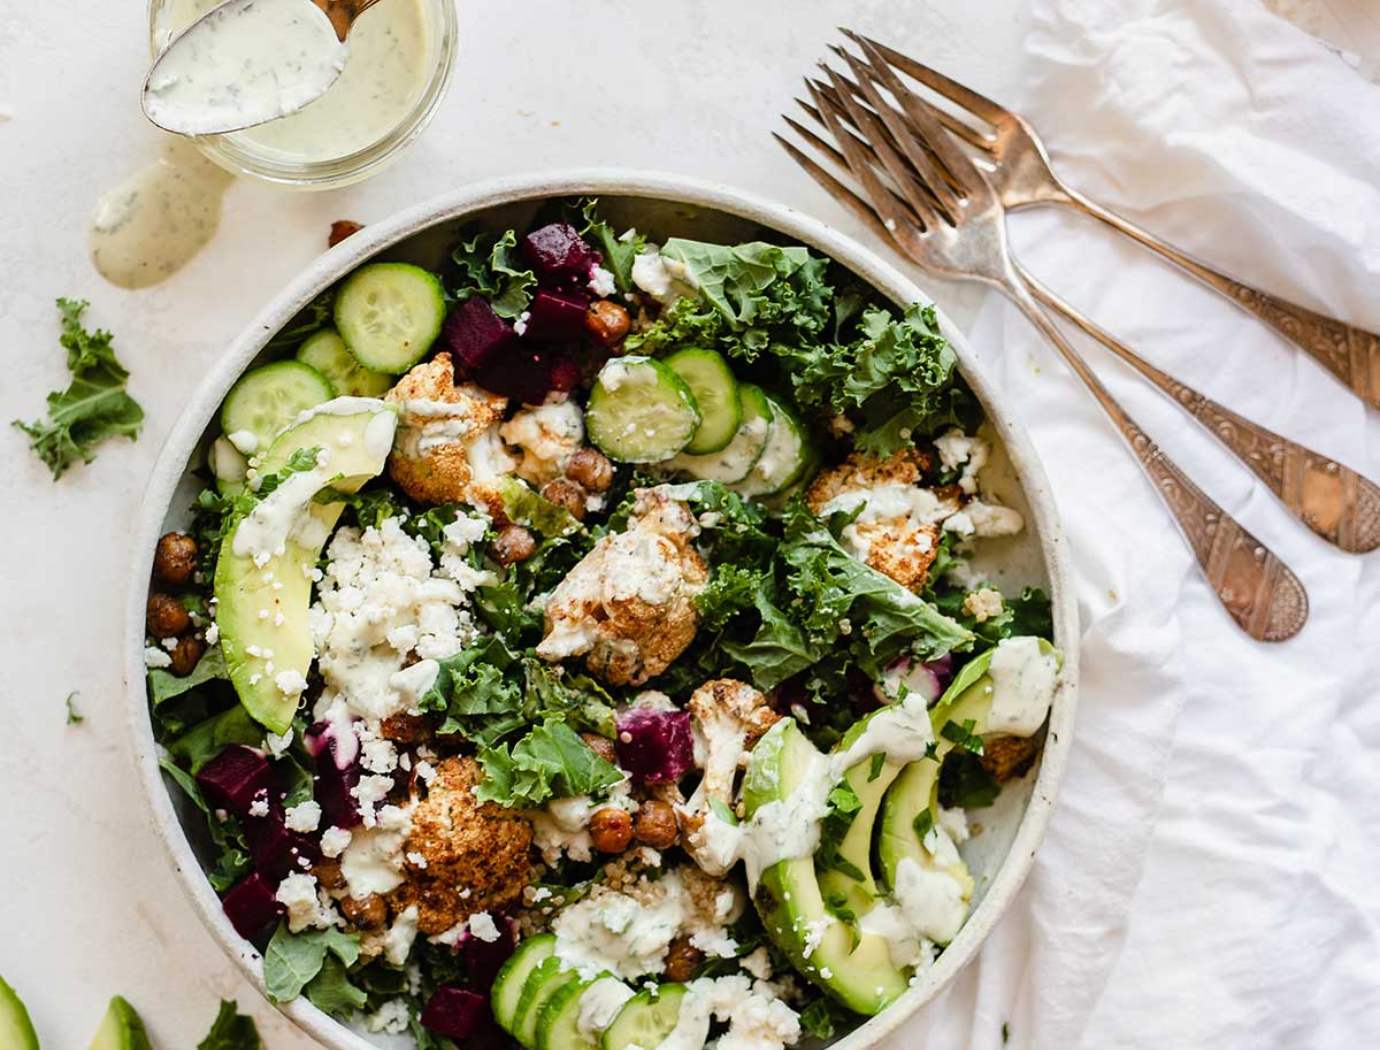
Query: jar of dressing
(400,61)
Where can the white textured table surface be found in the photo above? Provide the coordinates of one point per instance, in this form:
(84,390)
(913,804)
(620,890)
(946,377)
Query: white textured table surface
(88,903)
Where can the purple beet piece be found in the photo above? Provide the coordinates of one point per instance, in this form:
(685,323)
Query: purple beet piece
(457,1013)
(333,789)
(557,253)
(250,906)
(656,747)
(556,317)
(475,334)
(943,668)
(523,375)
(565,373)
(483,959)
(337,738)
(275,850)
(234,777)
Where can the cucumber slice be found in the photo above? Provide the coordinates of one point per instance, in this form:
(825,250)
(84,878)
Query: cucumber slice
(716,396)
(595,1002)
(389,314)
(640,411)
(507,987)
(327,353)
(646,1019)
(261,405)
(16,1030)
(785,459)
(742,453)
(542,983)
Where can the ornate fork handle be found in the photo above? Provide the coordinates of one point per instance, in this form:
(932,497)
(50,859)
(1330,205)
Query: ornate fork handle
(1351,354)
(1330,498)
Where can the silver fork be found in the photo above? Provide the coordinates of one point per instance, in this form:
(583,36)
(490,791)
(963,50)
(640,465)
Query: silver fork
(1336,502)
(941,212)
(1014,158)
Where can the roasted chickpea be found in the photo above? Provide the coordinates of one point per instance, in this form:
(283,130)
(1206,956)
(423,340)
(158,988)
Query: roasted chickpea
(565,493)
(607,321)
(342,228)
(682,960)
(407,729)
(610,829)
(601,746)
(174,559)
(186,656)
(513,544)
(329,874)
(591,468)
(165,616)
(367,913)
(656,824)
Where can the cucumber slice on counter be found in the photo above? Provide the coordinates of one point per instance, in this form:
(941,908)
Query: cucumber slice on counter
(508,985)
(733,462)
(716,395)
(785,459)
(640,411)
(646,1019)
(389,314)
(327,353)
(266,400)
(542,983)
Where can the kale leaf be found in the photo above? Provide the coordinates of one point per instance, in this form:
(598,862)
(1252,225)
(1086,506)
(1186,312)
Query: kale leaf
(488,265)
(549,762)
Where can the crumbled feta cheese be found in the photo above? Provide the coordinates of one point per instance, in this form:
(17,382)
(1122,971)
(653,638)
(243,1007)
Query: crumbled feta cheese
(391,1018)
(417,860)
(212,633)
(984,604)
(379,755)
(482,926)
(303,817)
(397,943)
(307,906)
(370,791)
(169,644)
(601,282)
(278,743)
(520,324)
(290,683)
(155,658)
(426,772)
(258,806)
(334,840)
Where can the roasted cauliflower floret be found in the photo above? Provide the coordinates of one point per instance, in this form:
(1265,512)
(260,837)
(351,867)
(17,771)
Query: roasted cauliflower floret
(548,435)
(462,856)
(447,439)
(628,607)
(897,532)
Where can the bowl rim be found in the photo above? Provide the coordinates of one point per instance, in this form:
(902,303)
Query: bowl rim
(202,404)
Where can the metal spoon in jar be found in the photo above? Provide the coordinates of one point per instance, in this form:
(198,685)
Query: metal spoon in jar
(247,62)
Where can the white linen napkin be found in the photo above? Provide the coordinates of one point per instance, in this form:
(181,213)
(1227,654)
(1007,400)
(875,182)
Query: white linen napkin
(1210,875)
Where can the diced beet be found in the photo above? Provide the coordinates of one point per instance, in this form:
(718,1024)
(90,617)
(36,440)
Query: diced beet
(556,317)
(943,668)
(655,746)
(484,958)
(475,334)
(333,790)
(557,253)
(457,1013)
(565,373)
(336,737)
(911,675)
(250,905)
(524,375)
(277,851)
(234,777)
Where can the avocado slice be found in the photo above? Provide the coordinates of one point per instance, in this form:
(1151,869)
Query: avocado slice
(16,1030)
(121,1029)
(261,606)
(853,965)
(916,791)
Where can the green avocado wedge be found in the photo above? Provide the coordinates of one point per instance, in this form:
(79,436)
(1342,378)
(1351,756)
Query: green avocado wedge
(16,1030)
(853,965)
(121,1029)
(263,575)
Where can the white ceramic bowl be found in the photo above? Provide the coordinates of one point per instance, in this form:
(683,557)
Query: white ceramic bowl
(662,204)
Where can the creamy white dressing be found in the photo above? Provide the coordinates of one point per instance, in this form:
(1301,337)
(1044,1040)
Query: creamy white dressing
(931,899)
(599,1005)
(245,63)
(264,532)
(1023,681)
(905,944)
(151,225)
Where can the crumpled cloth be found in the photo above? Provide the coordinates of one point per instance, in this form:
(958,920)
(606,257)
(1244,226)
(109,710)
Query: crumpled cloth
(1211,876)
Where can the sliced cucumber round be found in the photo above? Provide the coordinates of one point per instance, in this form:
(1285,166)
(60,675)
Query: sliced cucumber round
(389,314)
(733,462)
(507,987)
(558,1026)
(710,379)
(646,1019)
(640,411)
(784,460)
(542,983)
(266,400)
(326,352)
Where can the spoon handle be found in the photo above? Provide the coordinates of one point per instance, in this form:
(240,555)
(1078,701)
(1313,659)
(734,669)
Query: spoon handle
(343,13)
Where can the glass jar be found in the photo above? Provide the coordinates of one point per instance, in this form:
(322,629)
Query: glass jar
(402,53)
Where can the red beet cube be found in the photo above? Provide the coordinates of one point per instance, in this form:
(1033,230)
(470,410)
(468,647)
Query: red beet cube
(655,747)
(333,789)
(484,958)
(251,907)
(234,778)
(457,1013)
(565,373)
(474,334)
(556,317)
(557,253)
(523,375)
(275,850)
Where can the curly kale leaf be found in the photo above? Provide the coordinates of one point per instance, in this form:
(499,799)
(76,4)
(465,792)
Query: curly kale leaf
(489,265)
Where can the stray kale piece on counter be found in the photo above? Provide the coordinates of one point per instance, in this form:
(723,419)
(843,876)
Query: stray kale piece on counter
(231,1030)
(74,717)
(93,407)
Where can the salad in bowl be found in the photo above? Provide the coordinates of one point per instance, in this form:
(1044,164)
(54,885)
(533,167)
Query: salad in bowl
(588,643)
